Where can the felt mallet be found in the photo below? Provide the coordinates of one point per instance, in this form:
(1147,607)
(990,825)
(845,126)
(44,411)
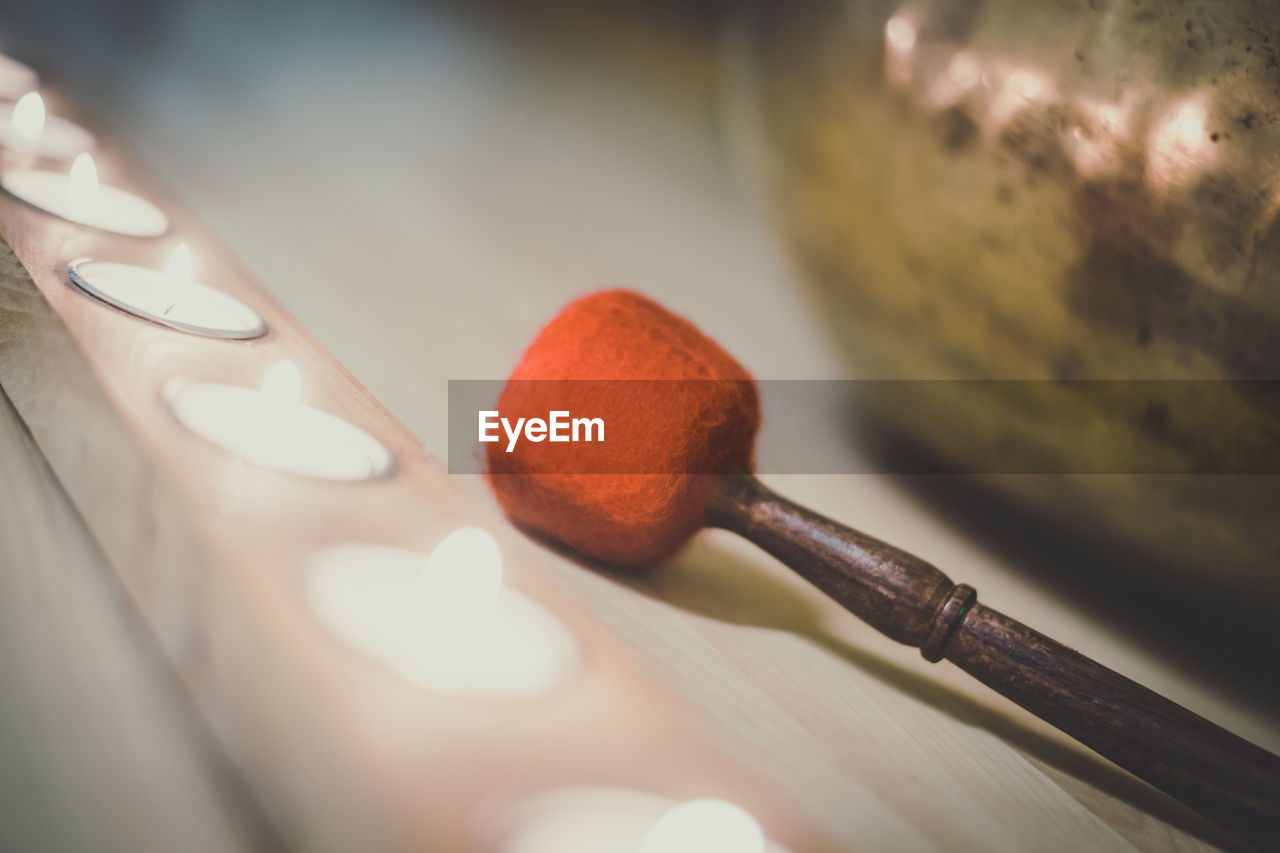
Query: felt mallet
(683,416)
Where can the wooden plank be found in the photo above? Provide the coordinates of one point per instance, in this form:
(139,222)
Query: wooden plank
(99,747)
(494,180)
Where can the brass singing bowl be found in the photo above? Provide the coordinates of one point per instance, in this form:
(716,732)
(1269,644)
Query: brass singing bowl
(1049,191)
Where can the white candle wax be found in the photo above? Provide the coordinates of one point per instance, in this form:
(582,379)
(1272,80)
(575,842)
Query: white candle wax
(606,819)
(78,197)
(444,622)
(272,428)
(170,297)
(26,127)
(15,78)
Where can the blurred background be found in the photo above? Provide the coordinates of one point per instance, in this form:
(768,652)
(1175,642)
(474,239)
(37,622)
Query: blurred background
(922,190)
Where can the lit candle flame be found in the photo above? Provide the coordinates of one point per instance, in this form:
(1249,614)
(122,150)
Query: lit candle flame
(459,585)
(701,825)
(179,269)
(282,399)
(282,383)
(82,184)
(28,116)
(179,273)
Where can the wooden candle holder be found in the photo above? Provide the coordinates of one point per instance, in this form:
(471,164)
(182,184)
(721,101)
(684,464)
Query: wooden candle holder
(342,754)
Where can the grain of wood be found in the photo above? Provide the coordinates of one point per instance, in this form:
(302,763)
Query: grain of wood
(99,748)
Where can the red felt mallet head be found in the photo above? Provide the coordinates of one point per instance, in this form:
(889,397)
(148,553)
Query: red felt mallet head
(684,427)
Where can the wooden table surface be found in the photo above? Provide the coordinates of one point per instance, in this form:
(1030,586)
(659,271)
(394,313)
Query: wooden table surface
(422,194)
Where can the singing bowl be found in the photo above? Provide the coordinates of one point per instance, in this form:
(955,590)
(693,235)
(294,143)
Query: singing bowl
(1048,191)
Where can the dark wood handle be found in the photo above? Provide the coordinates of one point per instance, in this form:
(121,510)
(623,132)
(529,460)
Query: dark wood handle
(1224,777)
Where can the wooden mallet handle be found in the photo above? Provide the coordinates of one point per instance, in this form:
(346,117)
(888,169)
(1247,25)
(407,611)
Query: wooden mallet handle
(1224,777)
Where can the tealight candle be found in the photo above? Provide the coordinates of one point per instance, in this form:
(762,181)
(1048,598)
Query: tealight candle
(272,428)
(599,819)
(26,127)
(444,622)
(15,78)
(171,297)
(78,197)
